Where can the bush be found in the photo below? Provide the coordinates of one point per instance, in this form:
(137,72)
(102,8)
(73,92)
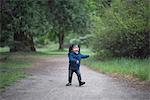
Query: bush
(122,31)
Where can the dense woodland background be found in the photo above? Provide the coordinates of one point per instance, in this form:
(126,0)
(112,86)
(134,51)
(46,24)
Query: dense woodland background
(110,27)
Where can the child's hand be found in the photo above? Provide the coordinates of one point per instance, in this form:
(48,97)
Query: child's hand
(77,61)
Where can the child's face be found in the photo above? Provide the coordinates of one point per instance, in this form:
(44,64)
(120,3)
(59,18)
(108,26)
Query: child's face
(75,49)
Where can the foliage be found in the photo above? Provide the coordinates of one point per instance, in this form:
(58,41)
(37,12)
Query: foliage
(123,30)
(24,19)
(35,18)
(120,27)
(66,16)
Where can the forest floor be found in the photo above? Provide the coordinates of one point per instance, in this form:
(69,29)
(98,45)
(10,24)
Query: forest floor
(47,79)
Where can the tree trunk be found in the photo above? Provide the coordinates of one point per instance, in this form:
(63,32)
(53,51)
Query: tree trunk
(22,42)
(61,40)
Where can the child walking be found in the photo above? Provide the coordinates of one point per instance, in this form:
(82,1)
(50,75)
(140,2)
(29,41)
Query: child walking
(75,57)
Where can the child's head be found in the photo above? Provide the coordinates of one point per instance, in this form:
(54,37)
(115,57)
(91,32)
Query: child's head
(74,48)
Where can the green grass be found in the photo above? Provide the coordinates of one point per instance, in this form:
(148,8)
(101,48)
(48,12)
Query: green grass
(12,70)
(8,78)
(47,51)
(134,67)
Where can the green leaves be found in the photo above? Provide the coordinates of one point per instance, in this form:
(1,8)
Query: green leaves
(122,29)
(68,15)
(27,17)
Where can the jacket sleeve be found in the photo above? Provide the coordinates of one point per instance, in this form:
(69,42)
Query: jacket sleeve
(84,56)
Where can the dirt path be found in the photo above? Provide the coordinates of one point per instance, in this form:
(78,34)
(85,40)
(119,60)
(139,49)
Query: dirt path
(48,79)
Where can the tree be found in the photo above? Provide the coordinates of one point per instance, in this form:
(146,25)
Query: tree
(21,20)
(67,15)
(122,29)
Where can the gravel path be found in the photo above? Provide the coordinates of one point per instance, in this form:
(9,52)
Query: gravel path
(49,76)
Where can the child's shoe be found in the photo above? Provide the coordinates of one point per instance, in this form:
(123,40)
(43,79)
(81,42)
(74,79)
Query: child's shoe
(81,83)
(68,84)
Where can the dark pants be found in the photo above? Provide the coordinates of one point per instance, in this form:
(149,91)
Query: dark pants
(71,74)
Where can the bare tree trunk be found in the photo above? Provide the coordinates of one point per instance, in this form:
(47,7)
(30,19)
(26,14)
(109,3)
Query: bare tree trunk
(22,42)
(61,40)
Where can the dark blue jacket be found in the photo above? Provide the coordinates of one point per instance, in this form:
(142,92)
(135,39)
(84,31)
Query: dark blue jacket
(74,60)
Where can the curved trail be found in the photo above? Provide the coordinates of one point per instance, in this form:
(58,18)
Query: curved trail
(49,76)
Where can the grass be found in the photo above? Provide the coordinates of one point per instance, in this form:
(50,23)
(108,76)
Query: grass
(46,51)
(8,78)
(12,70)
(127,66)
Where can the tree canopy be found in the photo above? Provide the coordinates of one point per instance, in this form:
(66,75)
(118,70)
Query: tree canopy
(117,27)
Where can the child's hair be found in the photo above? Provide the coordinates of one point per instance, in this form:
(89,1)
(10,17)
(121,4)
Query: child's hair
(71,47)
